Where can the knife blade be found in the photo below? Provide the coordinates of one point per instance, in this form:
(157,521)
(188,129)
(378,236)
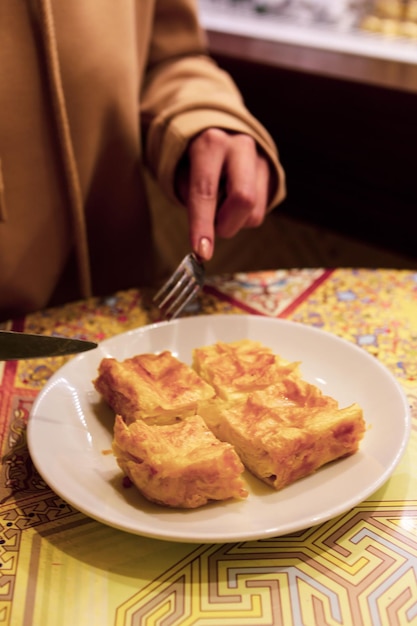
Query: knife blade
(17,345)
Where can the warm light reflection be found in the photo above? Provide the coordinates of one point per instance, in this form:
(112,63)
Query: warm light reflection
(408,523)
(76,403)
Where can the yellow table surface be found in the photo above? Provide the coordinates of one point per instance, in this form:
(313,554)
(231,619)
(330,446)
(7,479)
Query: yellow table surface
(59,567)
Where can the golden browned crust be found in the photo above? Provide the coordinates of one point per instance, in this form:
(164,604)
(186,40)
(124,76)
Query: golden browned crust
(178,465)
(150,386)
(240,367)
(281,444)
(282,427)
(257,410)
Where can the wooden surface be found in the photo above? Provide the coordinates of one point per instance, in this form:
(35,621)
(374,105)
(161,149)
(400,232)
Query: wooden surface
(348,147)
(380,71)
(340,49)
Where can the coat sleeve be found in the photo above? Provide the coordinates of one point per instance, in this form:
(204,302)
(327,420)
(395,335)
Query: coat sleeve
(185,92)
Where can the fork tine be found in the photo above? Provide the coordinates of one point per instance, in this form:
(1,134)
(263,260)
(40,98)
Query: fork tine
(181,301)
(170,289)
(181,287)
(160,296)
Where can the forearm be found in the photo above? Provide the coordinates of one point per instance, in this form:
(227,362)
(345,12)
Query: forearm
(185,93)
(187,96)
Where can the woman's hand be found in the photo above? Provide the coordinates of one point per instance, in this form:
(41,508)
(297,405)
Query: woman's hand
(224,182)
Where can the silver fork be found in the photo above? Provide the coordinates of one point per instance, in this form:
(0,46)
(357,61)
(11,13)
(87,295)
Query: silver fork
(181,287)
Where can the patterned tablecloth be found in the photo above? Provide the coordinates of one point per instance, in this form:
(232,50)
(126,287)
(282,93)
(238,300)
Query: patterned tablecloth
(58,567)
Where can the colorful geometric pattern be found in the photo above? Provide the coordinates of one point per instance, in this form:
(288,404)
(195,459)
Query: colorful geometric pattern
(342,572)
(359,569)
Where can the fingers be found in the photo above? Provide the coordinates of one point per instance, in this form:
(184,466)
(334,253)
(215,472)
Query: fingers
(206,158)
(247,191)
(216,156)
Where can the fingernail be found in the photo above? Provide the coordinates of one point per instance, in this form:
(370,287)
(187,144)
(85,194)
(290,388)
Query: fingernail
(204,248)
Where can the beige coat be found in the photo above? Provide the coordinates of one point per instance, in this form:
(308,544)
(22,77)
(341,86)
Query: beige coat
(92,91)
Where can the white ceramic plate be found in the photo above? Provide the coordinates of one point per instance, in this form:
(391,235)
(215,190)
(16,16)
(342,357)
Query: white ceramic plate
(70,428)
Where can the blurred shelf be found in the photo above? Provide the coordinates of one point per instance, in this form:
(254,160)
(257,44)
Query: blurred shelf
(236,30)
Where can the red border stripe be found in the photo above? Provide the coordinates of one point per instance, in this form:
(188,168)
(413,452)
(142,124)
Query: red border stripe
(226,298)
(214,291)
(303,296)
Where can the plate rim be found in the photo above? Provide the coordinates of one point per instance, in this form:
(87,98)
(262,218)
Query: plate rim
(362,495)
